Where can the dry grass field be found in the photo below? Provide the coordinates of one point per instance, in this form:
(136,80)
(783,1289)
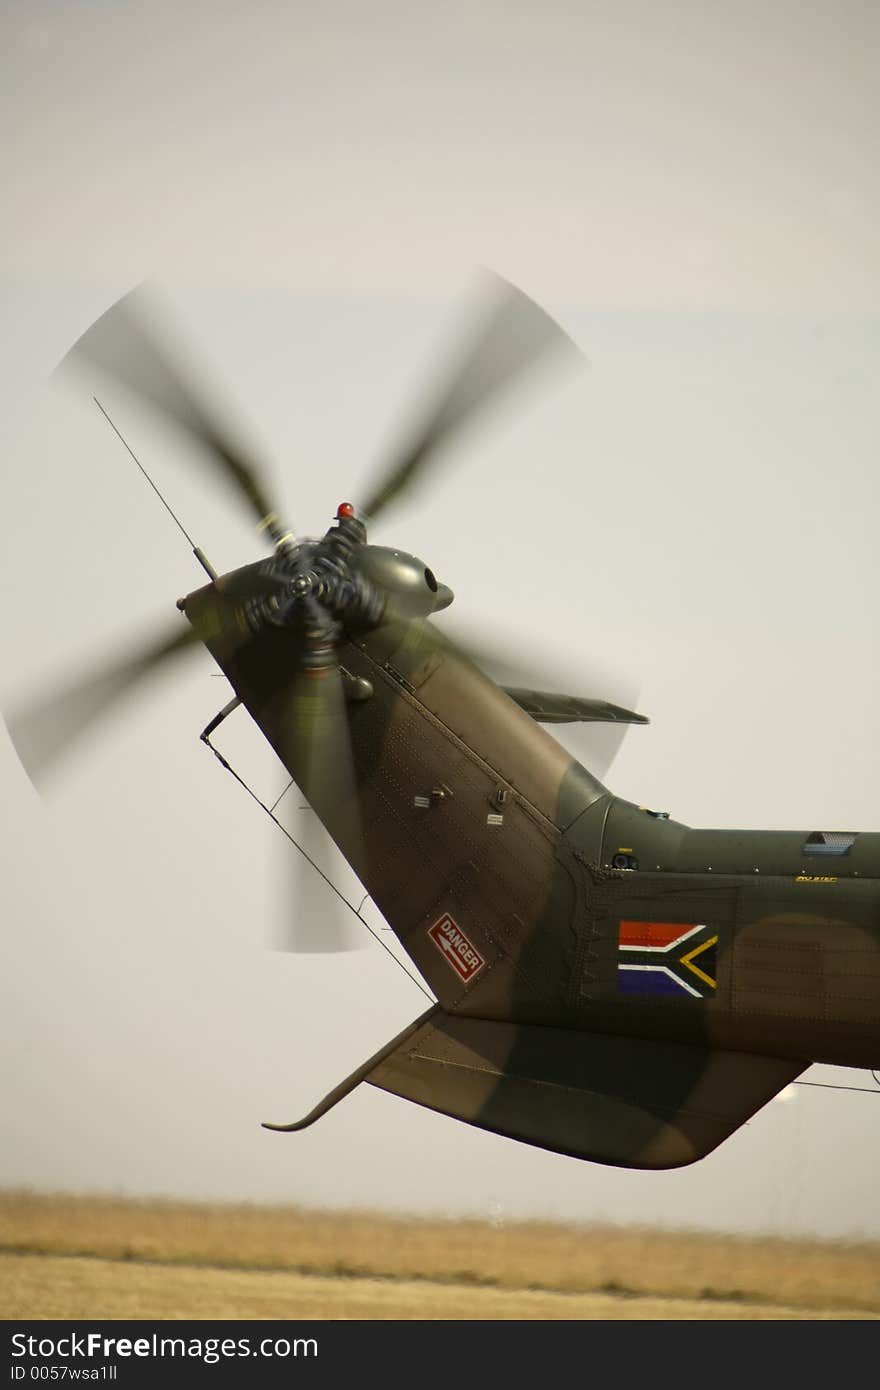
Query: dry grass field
(81,1257)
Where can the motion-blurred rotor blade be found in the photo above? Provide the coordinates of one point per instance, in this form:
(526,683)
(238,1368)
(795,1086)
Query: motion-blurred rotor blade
(596,744)
(515,334)
(316,747)
(125,343)
(315,920)
(47,728)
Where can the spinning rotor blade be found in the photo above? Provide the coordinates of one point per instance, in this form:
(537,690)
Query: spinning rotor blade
(124,343)
(315,921)
(316,746)
(44,731)
(515,334)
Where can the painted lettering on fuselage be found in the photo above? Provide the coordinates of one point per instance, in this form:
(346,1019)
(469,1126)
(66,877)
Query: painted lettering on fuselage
(459,953)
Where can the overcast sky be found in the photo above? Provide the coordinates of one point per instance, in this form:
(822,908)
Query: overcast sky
(692,189)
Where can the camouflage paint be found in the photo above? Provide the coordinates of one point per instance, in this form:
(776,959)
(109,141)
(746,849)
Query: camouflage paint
(471,814)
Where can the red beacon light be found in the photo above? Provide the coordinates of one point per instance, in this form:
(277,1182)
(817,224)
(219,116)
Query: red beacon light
(345,509)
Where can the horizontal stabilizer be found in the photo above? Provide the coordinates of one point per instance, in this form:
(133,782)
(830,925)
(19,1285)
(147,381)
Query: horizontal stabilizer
(546,707)
(631,1102)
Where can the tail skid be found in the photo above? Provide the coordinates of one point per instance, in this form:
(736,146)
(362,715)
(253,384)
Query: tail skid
(348,1085)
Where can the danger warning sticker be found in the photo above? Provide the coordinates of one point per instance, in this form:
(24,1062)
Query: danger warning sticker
(464,958)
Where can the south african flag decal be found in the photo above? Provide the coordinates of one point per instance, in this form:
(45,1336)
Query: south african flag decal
(668,959)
